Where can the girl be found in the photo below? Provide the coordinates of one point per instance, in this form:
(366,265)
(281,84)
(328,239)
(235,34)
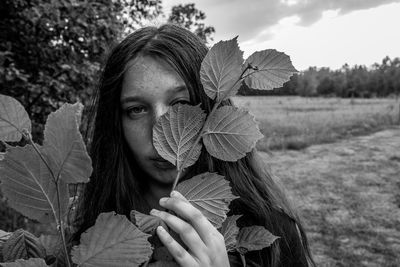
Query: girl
(149,71)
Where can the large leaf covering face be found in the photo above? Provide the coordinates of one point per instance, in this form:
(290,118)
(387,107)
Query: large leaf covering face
(175,133)
(13,119)
(210,193)
(29,186)
(112,241)
(230,133)
(64,144)
(271,69)
(221,70)
(32,262)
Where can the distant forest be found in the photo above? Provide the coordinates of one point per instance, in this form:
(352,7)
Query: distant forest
(379,80)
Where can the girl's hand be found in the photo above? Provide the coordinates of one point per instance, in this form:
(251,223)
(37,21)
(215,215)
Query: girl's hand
(206,246)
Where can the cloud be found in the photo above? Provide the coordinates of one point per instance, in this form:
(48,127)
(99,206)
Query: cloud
(310,11)
(250,18)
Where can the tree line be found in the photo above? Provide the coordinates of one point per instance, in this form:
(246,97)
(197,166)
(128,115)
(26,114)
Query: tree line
(379,80)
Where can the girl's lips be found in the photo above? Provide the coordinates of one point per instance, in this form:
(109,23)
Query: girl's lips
(163,164)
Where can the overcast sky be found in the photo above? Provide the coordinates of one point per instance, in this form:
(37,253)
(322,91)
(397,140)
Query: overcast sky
(322,33)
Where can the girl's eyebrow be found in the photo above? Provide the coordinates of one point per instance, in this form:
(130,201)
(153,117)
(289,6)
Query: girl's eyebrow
(138,98)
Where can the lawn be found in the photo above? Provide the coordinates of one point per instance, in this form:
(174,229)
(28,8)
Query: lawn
(296,122)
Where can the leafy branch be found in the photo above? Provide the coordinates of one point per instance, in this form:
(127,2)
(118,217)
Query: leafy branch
(198,138)
(57,216)
(222,72)
(30,181)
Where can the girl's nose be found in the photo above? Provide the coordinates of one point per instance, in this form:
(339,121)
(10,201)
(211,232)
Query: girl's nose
(159,110)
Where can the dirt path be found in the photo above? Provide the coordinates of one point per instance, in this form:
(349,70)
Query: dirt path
(348,194)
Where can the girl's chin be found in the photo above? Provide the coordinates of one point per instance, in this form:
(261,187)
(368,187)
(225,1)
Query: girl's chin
(165,176)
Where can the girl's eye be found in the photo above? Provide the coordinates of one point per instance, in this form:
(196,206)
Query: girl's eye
(180,101)
(135,111)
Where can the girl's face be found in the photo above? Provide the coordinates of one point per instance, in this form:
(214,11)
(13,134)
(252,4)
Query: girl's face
(150,86)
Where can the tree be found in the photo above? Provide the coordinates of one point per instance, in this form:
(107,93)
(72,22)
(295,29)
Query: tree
(308,82)
(50,50)
(191,18)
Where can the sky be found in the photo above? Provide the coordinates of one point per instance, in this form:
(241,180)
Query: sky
(321,33)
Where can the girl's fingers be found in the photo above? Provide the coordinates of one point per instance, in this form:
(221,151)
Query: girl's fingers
(184,209)
(182,257)
(186,232)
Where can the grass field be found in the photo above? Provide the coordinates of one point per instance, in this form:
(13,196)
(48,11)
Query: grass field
(296,122)
(348,196)
(340,171)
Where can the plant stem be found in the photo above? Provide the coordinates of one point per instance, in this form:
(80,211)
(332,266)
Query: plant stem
(243,259)
(216,105)
(57,217)
(60,227)
(29,137)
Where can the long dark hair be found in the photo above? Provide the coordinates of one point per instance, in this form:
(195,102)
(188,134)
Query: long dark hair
(117,181)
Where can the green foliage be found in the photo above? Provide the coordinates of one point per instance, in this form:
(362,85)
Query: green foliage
(189,17)
(50,50)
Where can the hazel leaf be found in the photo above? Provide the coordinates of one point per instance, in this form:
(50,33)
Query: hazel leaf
(27,183)
(269,69)
(230,231)
(221,69)
(13,119)
(51,243)
(230,133)
(64,144)
(210,193)
(146,223)
(175,134)
(32,262)
(254,238)
(112,241)
(22,245)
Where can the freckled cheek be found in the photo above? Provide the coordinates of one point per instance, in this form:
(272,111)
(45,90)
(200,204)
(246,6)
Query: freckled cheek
(138,137)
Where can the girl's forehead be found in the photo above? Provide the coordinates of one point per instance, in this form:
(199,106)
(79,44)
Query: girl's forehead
(150,76)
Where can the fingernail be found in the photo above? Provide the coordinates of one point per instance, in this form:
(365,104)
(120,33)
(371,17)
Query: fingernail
(163,200)
(174,194)
(161,229)
(154,212)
